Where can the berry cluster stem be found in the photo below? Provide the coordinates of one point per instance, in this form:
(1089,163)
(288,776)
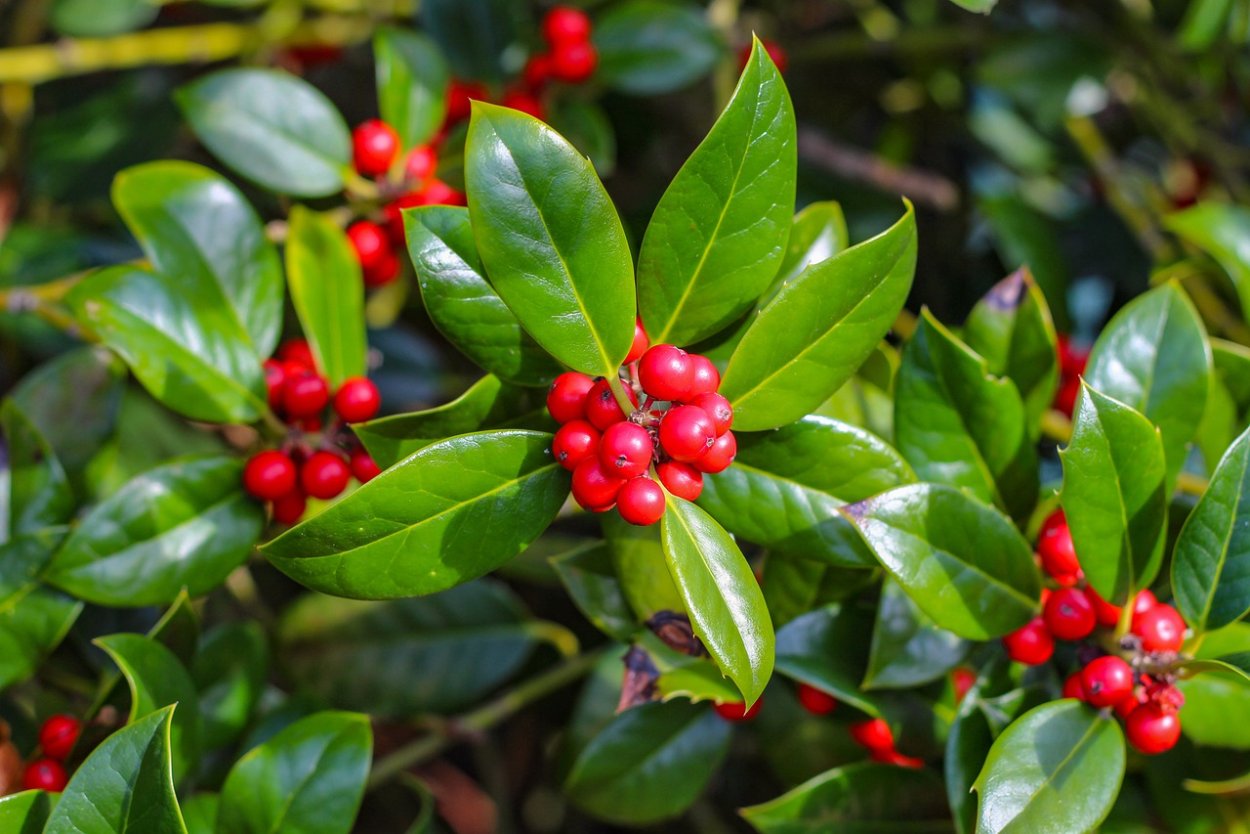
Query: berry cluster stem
(618,391)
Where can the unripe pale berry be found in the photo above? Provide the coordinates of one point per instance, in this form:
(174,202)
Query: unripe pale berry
(44,775)
(1069,615)
(626,450)
(737,711)
(873,734)
(718,408)
(1161,629)
(304,395)
(268,475)
(324,475)
(289,508)
(594,487)
(640,501)
(564,24)
(816,701)
(666,373)
(686,433)
(720,455)
(640,344)
(566,399)
(1153,729)
(357,400)
(57,736)
(1030,644)
(1107,680)
(705,379)
(681,479)
(602,409)
(576,441)
(375,144)
(364,467)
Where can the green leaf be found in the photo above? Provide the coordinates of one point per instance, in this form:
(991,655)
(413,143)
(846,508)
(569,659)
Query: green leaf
(962,562)
(967,746)
(461,302)
(476,36)
(124,785)
(1011,328)
(794,586)
(1237,664)
(907,648)
(185,347)
(1217,701)
(199,812)
(587,126)
(1154,357)
(196,227)
(39,491)
(978,6)
(436,654)
(230,670)
(272,127)
(308,779)
(650,763)
(859,797)
(25,812)
(648,47)
(825,649)
(328,293)
(590,578)
(550,239)
(1057,769)
(819,329)
(722,597)
(33,619)
(719,233)
(958,425)
(1221,231)
(412,81)
(183,525)
(156,680)
(641,567)
(101,18)
(817,234)
(449,513)
(1025,237)
(786,486)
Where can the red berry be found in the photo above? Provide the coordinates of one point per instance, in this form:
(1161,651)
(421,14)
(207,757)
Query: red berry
(526,102)
(364,467)
(1030,644)
(576,441)
(816,701)
(566,25)
(44,775)
(1069,615)
(1072,361)
(439,193)
(893,757)
(305,395)
(1073,688)
(626,450)
(1065,397)
(666,373)
(640,344)
(420,164)
(1153,729)
(357,400)
(1054,545)
(459,95)
(1107,614)
(1161,629)
(324,475)
(873,734)
(774,50)
(275,375)
(737,710)
(687,433)
(268,475)
(681,479)
(1143,602)
(370,241)
(705,379)
(297,351)
(594,487)
(1125,706)
(718,408)
(381,273)
(566,399)
(720,455)
(537,71)
(289,508)
(602,409)
(57,736)
(374,147)
(640,501)
(962,680)
(1106,680)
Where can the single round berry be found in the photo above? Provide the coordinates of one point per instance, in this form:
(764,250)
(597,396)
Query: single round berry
(873,734)
(57,736)
(268,475)
(1054,546)
(1069,615)
(364,467)
(686,433)
(1107,614)
(1107,680)
(289,508)
(666,373)
(962,680)
(718,408)
(626,449)
(1153,729)
(420,164)
(297,351)
(460,94)
(640,501)
(381,273)
(275,376)
(566,399)
(576,441)
(324,475)
(537,71)
(737,710)
(375,145)
(44,775)
(1125,706)
(1161,629)
(721,454)
(357,400)
(526,102)
(564,24)
(1143,602)
(594,487)
(640,344)
(370,241)
(1031,644)
(602,409)
(816,701)
(305,395)
(681,479)
(705,379)
(1073,688)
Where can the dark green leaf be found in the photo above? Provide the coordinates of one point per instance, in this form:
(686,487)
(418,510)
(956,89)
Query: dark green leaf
(230,671)
(33,619)
(967,746)
(907,648)
(1024,237)
(271,127)
(825,649)
(963,563)
(719,233)
(412,83)
(39,492)
(1221,231)
(793,585)
(25,812)
(1217,701)
(590,578)
(1237,664)
(449,513)
(648,47)
(587,126)
(200,813)
(475,35)
(100,18)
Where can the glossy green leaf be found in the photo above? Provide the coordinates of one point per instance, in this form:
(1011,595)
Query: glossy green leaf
(196,227)
(25,812)
(461,302)
(185,348)
(1154,357)
(183,525)
(650,763)
(786,486)
(958,425)
(820,327)
(307,779)
(825,649)
(272,127)
(638,557)
(1237,664)
(329,296)
(435,654)
(860,797)
(695,680)
(793,585)
(124,785)
(230,671)
(412,78)
(39,491)
(33,619)
(722,597)
(449,513)
(1011,328)
(1217,701)
(817,234)
(550,239)
(590,578)
(1221,231)
(963,563)
(1114,495)
(967,745)
(1211,563)
(1056,770)
(907,648)
(647,47)
(718,235)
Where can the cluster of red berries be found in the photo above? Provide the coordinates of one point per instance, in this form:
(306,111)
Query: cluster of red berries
(57,737)
(1072,362)
(571,57)
(299,394)
(1140,692)
(616,458)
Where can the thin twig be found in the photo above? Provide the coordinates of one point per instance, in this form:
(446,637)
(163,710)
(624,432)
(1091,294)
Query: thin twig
(924,187)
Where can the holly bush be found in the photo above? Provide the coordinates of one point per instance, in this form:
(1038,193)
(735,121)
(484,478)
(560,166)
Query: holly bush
(710,531)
